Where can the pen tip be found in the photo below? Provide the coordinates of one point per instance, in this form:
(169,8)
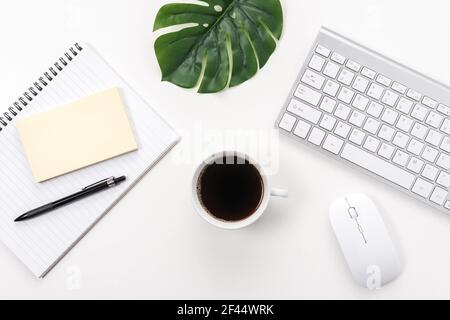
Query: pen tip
(18,219)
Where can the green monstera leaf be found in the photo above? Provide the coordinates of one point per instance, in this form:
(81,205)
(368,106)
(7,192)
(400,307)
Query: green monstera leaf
(224,44)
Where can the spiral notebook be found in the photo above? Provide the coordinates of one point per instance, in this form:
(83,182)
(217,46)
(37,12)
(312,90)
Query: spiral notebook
(40,243)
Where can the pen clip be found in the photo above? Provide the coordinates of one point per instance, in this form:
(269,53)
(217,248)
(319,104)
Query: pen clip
(97,183)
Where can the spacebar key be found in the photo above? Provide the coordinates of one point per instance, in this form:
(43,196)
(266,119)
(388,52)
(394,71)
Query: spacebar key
(378,166)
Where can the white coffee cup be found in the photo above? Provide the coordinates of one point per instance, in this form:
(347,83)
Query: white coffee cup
(233,225)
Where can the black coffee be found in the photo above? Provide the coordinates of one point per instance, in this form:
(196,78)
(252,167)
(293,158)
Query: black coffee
(231,189)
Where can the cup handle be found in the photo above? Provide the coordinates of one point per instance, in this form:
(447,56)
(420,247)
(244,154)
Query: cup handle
(282,193)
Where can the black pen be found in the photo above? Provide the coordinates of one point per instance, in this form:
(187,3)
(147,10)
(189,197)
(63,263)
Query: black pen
(89,190)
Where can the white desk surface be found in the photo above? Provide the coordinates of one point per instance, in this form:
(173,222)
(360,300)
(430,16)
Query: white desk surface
(153,245)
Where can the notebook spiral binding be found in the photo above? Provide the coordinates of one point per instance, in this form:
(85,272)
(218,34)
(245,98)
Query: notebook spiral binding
(39,85)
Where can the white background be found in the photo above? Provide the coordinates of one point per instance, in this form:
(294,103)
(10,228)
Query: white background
(153,245)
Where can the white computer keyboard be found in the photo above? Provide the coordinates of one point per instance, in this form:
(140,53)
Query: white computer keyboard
(375,114)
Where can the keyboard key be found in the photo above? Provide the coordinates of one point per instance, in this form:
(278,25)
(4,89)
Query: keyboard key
(430,172)
(360,102)
(429,102)
(368,73)
(331,88)
(401,158)
(389,116)
(346,77)
(439,196)
(434,120)
(357,137)
(353,65)
(399,88)
(444,179)
(372,126)
(446,126)
(308,95)
(375,91)
(420,112)
(385,81)
(401,140)
(302,129)
(327,105)
(317,63)
(386,151)
(386,133)
(404,123)
(378,166)
(336,57)
(422,188)
(445,145)
(342,111)
(419,131)
(415,147)
(333,144)
(430,154)
(375,109)
(316,137)
(360,84)
(313,79)
(346,95)
(445,110)
(414,95)
(404,105)
(443,161)
(342,130)
(331,69)
(357,119)
(304,111)
(390,98)
(371,144)
(323,51)
(415,165)
(328,122)
(287,122)
(434,138)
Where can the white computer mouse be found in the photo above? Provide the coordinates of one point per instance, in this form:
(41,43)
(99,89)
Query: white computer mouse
(364,241)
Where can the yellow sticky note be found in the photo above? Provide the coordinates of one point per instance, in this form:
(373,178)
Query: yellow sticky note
(77,135)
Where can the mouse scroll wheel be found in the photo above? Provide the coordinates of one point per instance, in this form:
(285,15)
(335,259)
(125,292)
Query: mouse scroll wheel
(353,213)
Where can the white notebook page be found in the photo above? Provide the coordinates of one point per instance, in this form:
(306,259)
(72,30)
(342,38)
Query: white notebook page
(40,243)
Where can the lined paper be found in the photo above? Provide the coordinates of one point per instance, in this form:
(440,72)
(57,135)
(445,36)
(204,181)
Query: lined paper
(40,243)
